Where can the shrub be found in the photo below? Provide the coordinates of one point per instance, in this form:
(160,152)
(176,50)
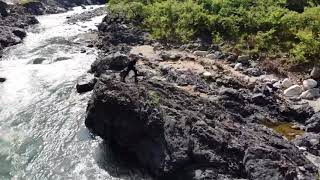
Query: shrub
(259,26)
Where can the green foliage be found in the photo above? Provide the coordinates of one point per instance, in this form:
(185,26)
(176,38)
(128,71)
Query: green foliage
(22,2)
(268,26)
(173,20)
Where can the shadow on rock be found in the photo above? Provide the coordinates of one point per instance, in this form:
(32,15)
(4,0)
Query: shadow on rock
(118,165)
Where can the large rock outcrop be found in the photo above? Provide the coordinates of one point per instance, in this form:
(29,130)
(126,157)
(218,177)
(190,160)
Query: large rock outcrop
(115,31)
(177,135)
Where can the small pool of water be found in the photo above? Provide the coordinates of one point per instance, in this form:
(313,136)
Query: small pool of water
(286,129)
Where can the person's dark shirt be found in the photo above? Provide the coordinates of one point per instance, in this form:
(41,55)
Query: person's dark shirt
(132,64)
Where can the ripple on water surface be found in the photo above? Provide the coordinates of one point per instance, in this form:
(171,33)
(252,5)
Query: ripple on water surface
(42,132)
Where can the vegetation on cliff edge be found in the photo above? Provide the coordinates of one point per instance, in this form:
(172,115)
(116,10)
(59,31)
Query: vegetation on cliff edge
(251,26)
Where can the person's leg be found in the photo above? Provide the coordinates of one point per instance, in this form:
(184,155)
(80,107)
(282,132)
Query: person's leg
(135,74)
(124,74)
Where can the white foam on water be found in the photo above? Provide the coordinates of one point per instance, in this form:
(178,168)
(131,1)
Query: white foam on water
(42,132)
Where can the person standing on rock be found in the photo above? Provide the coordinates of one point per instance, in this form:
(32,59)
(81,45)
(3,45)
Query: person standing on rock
(131,67)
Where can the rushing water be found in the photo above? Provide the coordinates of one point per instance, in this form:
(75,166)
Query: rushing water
(42,132)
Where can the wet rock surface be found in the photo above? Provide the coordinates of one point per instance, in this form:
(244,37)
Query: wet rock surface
(2,79)
(85,83)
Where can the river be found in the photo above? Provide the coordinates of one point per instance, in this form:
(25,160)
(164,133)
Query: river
(42,132)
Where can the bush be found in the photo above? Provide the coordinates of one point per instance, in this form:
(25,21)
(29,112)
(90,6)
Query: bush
(259,26)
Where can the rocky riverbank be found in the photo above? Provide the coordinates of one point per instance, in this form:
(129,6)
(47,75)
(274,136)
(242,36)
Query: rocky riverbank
(197,113)
(13,22)
(15,17)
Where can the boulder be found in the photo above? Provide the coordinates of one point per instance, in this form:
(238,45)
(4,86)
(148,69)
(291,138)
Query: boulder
(310,94)
(85,83)
(286,83)
(238,66)
(31,20)
(244,59)
(309,84)
(21,33)
(177,135)
(232,58)
(115,61)
(38,60)
(315,73)
(259,99)
(2,79)
(200,53)
(313,124)
(309,141)
(61,59)
(294,90)
(90,45)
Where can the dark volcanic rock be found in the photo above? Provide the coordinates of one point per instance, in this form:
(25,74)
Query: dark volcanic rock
(115,30)
(38,60)
(297,112)
(313,124)
(3,9)
(12,23)
(85,83)
(260,99)
(253,72)
(2,79)
(310,141)
(19,33)
(176,135)
(86,15)
(35,7)
(116,61)
(187,77)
